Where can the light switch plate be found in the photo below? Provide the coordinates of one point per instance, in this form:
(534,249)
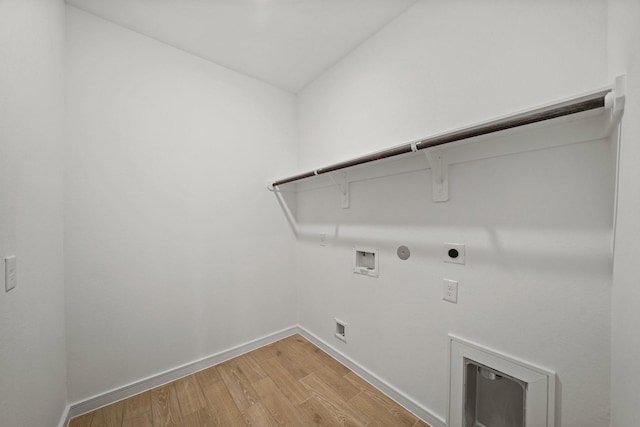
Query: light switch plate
(10,278)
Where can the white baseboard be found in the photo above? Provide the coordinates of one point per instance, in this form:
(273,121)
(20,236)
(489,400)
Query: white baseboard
(120,393)
(64,419)
(399,397)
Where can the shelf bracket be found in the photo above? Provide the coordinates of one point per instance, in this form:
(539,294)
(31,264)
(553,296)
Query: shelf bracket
(343,188)
(439,174)
(614,101)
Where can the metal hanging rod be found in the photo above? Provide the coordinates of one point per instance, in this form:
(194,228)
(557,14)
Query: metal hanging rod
(576,105)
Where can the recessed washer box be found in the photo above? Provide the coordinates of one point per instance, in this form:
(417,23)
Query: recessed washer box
(365,261)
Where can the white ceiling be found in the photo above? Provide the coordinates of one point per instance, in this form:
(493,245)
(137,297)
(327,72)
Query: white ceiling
(287,43)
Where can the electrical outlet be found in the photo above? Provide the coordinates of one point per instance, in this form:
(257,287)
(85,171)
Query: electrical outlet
(323,239)
(450,291)
(453,253)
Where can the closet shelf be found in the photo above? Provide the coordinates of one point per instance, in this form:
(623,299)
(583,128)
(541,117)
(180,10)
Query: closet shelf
(610,98)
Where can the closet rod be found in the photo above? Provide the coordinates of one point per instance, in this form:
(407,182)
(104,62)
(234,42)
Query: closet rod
(576,105)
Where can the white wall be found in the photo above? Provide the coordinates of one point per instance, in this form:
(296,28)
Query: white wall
(537,226)
(32,340)
(443,65)
(174,250)
(165,264)
(624,58)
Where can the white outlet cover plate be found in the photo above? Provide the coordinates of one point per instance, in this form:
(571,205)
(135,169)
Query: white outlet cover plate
(450,290)
(459,247)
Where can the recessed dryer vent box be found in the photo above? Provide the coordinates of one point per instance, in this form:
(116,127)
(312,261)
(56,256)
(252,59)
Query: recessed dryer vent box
(365,261)
(492,389)
(493,398)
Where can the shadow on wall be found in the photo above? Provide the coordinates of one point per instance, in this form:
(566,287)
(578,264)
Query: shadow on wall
(550,209)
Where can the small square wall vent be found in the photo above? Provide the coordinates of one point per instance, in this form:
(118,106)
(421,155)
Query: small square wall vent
(341,330)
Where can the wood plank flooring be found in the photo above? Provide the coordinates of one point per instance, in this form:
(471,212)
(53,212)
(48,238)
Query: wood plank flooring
(287,383)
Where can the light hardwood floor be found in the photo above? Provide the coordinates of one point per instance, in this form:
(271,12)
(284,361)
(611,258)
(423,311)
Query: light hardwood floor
(287,383)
